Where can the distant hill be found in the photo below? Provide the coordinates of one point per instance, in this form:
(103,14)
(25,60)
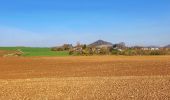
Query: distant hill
(152,46)
(168,46)
(100,42)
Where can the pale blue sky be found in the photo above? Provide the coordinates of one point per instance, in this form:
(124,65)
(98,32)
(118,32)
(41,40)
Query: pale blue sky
(54,22)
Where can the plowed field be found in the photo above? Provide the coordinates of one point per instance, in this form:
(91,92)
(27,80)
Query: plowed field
(89,78)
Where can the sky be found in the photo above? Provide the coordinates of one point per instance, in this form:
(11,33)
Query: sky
(46,23)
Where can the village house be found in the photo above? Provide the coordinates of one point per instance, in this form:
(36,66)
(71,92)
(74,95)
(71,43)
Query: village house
(120,46)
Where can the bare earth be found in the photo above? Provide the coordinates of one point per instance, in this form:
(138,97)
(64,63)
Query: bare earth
(88,78)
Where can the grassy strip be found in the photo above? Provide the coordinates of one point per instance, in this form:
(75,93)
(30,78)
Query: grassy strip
(37,51)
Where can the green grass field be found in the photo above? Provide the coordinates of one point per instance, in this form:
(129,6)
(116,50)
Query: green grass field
(36,51)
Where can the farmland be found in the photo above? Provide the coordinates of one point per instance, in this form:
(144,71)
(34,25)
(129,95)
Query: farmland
(35,51)
(88,77)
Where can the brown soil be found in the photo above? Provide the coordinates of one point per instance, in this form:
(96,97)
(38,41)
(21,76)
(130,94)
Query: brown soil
(5,52)
(95,77)
(13,68)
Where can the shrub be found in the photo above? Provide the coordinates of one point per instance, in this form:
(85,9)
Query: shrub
(115,52)
(104,51)
(57,49)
